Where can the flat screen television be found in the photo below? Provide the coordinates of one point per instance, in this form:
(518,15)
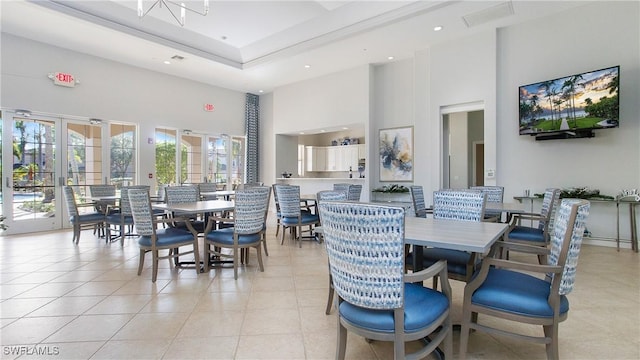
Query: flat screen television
(572,106)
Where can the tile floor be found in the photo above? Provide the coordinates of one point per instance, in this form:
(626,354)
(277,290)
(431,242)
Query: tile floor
(86,302)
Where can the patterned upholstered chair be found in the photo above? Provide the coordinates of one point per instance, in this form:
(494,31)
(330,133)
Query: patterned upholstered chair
(502,289)
(207,188)
(248,226)
(495,194)
(463,205)
(417,197)
(184,194)
(329,195)
(292,216)
(400,311)
(153,240)
(120,215)
(353,190)
(538,235)
(98,191)
(80,221)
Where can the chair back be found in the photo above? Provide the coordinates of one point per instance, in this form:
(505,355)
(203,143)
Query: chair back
(275,197)
(205,188)
(467,205)
(140,206)
(569,228)
(417,196)
(125,205)
(549,203)
(495,194)
(250,209)
(181,194)
(288,197)
(70,199)
(365,245)
(331,195)
(353,194)
(102,190)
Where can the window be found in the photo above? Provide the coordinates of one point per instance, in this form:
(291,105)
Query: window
(191,158)
(225,160)
(166,161)
(123,154)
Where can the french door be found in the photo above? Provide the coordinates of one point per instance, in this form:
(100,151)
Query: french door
(40,154)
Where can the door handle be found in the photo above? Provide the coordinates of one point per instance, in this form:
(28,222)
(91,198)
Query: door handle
(61,180)
(8,182)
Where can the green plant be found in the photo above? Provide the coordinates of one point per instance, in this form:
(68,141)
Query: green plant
(395,188)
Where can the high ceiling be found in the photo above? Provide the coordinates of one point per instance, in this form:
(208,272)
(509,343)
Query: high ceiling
(254,46)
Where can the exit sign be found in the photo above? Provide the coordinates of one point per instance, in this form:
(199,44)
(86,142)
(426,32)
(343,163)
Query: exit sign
(209,107)
(63,79)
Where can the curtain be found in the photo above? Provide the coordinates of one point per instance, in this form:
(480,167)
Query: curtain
(252,125)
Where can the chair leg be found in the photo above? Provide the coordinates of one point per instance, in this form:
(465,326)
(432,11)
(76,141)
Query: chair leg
(141,262)
(299,236)
(283,231)
(330,298)
(341,349)
(260,264)
(154,275)
(235,263)
(464,333)
(196,255)
(264,243)
(551,332)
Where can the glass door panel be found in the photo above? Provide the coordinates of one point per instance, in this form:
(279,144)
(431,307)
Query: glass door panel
(84,159)
(30,188)
(191,159)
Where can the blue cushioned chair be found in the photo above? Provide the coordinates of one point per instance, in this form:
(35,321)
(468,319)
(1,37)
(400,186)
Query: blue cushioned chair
(184,194)
(153,240)
(120,215)
(248,226)
(502,289)
(292,216)
(463,205)
(376,299)
(495,194)
(98,191)
(417,197)
(80,221)
(538,235)
(329,195)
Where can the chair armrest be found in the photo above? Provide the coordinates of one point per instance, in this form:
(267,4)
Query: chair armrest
(110,208)
(517,218)
(438,269)
(212,220)
(89,204)
(522,248)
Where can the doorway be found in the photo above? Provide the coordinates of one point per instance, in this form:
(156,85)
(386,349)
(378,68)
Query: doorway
(462,145)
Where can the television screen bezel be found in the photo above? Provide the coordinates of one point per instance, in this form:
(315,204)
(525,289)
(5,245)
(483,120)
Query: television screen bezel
(576,131)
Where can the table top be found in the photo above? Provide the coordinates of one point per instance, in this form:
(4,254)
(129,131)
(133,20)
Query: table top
(198,206)
(513,208)
(452,234)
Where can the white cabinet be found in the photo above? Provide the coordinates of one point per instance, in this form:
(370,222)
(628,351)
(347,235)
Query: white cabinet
(362,151)
(333,158)
(316,158)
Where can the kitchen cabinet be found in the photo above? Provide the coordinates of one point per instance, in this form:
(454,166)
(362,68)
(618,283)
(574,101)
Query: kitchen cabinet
(333,158)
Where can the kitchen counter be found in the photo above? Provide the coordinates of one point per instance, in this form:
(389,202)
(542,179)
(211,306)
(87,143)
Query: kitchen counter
(313,185)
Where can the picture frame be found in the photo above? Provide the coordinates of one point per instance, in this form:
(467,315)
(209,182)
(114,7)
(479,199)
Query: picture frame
(396,154)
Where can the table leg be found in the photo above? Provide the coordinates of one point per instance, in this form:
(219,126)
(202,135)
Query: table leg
(634,229)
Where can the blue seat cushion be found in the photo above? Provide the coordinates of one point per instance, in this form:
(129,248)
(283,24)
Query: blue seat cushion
(91,217)
(421,308)
(305,219)
(456,260)
(516,293)
(118,219)
(167,237)
(225,236)
(527,234)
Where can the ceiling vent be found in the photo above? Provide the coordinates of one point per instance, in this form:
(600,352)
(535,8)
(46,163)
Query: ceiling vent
(177,57)
(493,13)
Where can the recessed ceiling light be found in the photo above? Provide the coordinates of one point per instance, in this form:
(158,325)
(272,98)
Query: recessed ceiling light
(301,133)
(307,66)
(167,62)
(260,91)
(345,128)
(390,58)
(323,130)
(437,28)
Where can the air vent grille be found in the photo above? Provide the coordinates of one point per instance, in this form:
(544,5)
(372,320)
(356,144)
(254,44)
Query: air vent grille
(177,57)
(493,13)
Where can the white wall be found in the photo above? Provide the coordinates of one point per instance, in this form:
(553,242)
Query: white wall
(595,36)
(114,92)
(459,150)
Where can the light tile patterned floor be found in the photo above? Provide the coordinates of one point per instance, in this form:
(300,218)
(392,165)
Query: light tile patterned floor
(86,302)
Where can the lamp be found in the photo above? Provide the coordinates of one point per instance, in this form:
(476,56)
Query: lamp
(183,8)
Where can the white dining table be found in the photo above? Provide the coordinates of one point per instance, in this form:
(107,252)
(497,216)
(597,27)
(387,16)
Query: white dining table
(197,206)
(471,236)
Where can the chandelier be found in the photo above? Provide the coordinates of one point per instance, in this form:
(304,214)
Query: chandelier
(183,9)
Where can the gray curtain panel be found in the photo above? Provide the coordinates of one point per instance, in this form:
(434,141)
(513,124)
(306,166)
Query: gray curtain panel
(252,121)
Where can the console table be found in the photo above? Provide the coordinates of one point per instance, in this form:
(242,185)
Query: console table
(632,216)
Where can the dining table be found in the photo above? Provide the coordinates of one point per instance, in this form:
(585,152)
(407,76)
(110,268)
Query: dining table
(470,236)
(197,207)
